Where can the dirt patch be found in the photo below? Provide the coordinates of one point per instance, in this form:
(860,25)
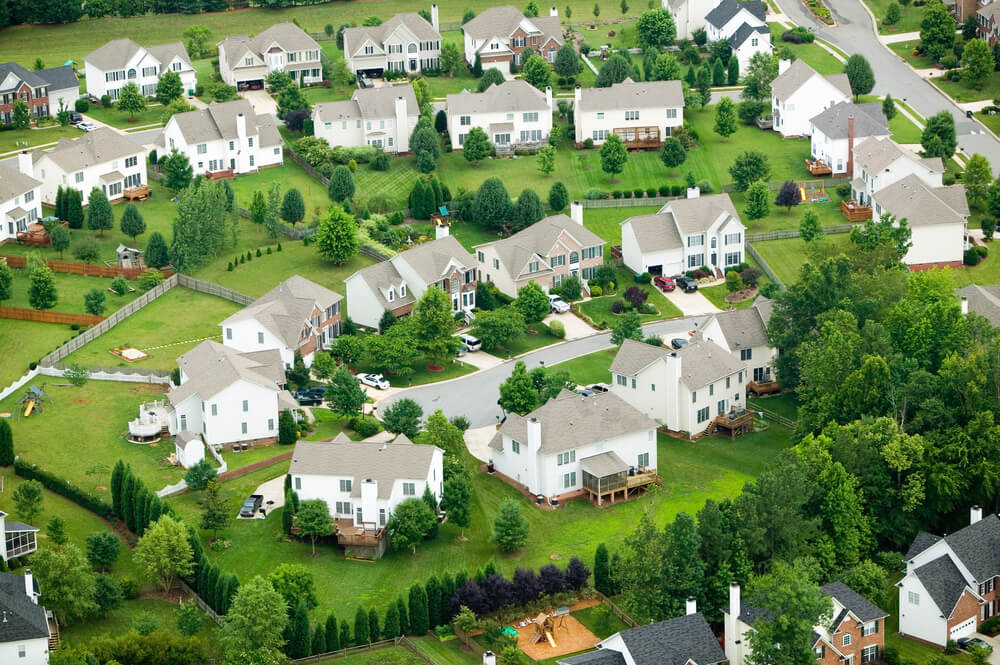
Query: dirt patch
(82,400)
(101,488)
(435,368)
(461,539)
(174,596)
(555,557)
(531,332)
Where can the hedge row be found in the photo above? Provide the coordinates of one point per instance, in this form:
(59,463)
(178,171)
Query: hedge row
(59,486)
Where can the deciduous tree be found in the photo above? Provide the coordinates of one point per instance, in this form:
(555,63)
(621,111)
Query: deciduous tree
(517,393)
(341,185)
(177,171)
(294,582)
(613,155)
(403,417)
(537,72)
(789,196)
(749,167)
(725,118)
(673,153)
(809,227)
(164,551)
(977,62)
(794,605)
(344,393)
(532,302)
(337,236)
(937,31)
(131,100)
(410,522)
(434,325)
(255,624)
(42,288)
(626,326)
(547,160)
(476,146)
(214,513)
(314,521)
(614,70)
(655,29)
(860,75)
(68,582)
(169,87)
(499,327)
(977,180)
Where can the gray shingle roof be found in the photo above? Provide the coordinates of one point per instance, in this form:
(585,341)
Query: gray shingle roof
(943,581)
(571,420)
(603,464)
(702,362)
(288,36)
(983,300)
(786,84)
(211,367)
(354,38)
(922,205)
(858,605)
(868,120)
(539,238)
(379,277)
(59,78)
(112,55)
(727,9)
(633,357)
(431,259)
(384,463)
(598,657)
(516,95)
(744,328)
(676,641)
(631,95)
(698,214)
(101,145)
(502,21)
(381,102)
(878,154)
(978,546)
(14,183)
(21,74)
(165,53)
(921,542)
(745,31)
(655,232)
(285,309)
(218,122)
(23,619)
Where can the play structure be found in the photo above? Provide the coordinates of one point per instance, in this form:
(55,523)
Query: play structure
(553,633)
(812,191)
(32,401)
(544,625)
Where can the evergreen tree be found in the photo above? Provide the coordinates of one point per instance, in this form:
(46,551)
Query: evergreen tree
(419,621)
(477,146)
(318,640)
(390,627)
(99,215)
(132,223)
(299,644)
(558,197)
(177,171)
(332,634)
(361,633)
(345,634)
(718,73)
(527,210)
(60,209)
(860,75)
(74,208)
(725,118)
(602,570)
(889,107)
(404,616)
(128,501)
(733,72)
(42,289)
(433,590)
(341,185)
(757,196)
(510,529)
(293,207)
(156,253)
(6,444)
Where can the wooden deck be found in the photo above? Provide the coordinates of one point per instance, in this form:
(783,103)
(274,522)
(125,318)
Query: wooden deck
(818,167)
(855,212)
(735,423)
(349,534)
(139,193)
(639,138)
(643,478)
(758,388)
(220,175)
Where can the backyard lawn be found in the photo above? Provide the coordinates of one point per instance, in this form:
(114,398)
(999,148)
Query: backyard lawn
(168,327)
(18,139)
(24,342)
(909,17)
(785,257)
(784,404)
(602,627)
(70,290)
(289,176)
(469,234)
(813,54)
(606,222)
(395,184)
(389,656)
(784,218)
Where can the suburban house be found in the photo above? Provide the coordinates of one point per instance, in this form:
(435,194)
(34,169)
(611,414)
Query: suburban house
(989,21)
(227,396)
(41,90)
(245,61)
(381,117)
(296,315)
(122,61)
(962,9)
(512,113)
(983,300)
(642,114)
(684,640)
(689,15)
(189,449)
(102,158)
(546,253)
(938,217)
(685,235)
(799,94)
(854,632)
(839,130)
(362,482)
(404,43)
(499,34)
(26,632)
(880,163)
(20,198)
(685,390)
(744,24)
(743,333)
(950,586)
(224,139)
(19,538)
(398,283)
(598,446)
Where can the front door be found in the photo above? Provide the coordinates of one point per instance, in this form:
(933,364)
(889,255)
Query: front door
(714,261)
(413,64)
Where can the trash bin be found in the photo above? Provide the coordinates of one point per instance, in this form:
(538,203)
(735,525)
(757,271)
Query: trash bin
(968,114)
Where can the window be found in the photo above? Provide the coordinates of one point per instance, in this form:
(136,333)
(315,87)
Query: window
(574,258)
(402,290)
(496,263)
(345,484)
(465,120)
(846,641)
(696,260)
(184,423)
(251,156)
(130,162)
(409,489)
(868,654)
(631,115)
(733,238)
(753,42)
(672,114)
(694,397)
(633,383)
(530,117)
(342,507)
(501,139)
(746,354)
(592,252)
(643,460)
(820,651)
(298,483)
(533,266)
(381,516)
(78,177)
(711,389)
(176,66)
(569,479)
(913,598)
(869,628)
(215,409)
(600,134)
(620,379)
(243,427)
(732,258)
(696,241)
(248,62)
(246,405)
(260,338)
(600,115)
(559,260)
(515,446)
(566,458)
(148,71)
(202,148)
(702,415)
(652,387)
(369,49)
(391,295)
(270,423)
(250,141)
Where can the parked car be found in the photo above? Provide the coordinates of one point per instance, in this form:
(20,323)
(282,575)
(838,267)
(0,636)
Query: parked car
(75,118)
(374,380)
(586,392)
(251,505)
(557,304)
(664,283)
(678,342)
(685,283)
(306,398)
(600,387)
(87,126)
(974,642)
(469,342)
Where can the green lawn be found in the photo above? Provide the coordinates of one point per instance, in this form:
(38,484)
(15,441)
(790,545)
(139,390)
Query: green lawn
(422,375)
(70,290)
(813,54)
(120,621)
(289,176)
(590,618)
(991,121)
(599,309)
(606,222)
(21,138)
(526,342)
(105,407)
(906,51)
(24,342)
(782,218)
(911,651)
(395,183)
(784,404)
(591,368)
(445,653)
(785,257)
(176,321)
(717,296)
(909,17)
(390,656)
(151,115)
(903,129)
(961,92)
(469,234)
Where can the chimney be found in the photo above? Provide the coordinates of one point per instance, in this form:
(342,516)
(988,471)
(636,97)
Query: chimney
(576,212)
(850,147)
(553,11)
(241,128)
(29,585)
(534,435)
(402,127)
(548,96)
(489,658)
(692,606)
(441,229)
(732,638)
(434,16)
(965,305)
(577,100)
(783,66)
(975,514)
(24,163)
(694,192)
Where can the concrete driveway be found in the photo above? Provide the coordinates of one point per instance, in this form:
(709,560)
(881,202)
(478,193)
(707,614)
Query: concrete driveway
(260,101)
(992,641)
(691,304)
(575,327)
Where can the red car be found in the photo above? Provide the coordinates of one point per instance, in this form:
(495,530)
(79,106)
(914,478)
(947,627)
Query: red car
(664,283)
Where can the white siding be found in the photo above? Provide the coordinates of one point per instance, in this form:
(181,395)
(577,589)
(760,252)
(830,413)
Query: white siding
(936,243)
(924,620)
(792,115)
(36,652)
(8,229)
(484,120)
(52,176)
(589,122)
(363,306)
(246,339)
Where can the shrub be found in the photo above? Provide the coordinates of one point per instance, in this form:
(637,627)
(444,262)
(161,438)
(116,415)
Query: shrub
(951,648)
(972,257)
(844,190)
(82,105)
(596,291)
(617,307)
(676,190)
(74,326)
(149,279)
(705,187)
(106,101)
(461,422)
(627,193)
(557,329)
(366,426)
(595,193)
(664,190)
(638,192)
(588,144)
(643,278)
(617,193)
(981,250)
(651,192)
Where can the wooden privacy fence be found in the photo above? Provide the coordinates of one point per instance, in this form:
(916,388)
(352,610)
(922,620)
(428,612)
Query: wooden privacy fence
(782,234)
(75,268)
(48,317)
(617,611)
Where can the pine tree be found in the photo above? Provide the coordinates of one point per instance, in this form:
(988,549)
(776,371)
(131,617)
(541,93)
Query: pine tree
(128,501)
(390,628)
(6,444)
(419,622)
(74,208)
(733,74)
(318,640)
(232,587)
(404,616)
(433,589)
(361,633)
(602,570)
(60,211)
(345,634)
(332,635)
(298,641)
(373,630)
(99,215)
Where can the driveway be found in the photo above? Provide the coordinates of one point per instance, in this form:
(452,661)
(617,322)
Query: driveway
(260,101)
(574,325)
(992,641)
(274,491)
(691,304)
(855,33)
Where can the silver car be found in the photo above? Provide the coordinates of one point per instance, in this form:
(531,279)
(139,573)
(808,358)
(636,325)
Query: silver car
(557,304)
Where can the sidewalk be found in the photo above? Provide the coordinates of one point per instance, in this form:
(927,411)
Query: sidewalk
(901,37)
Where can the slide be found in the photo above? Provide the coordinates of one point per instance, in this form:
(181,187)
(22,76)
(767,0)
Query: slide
(27,411)
(802,192)
(548,634)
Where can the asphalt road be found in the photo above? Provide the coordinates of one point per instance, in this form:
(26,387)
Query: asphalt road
(475,396)
(854,33)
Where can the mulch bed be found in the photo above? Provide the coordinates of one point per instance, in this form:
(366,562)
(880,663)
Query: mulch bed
(435,368)
(741,295)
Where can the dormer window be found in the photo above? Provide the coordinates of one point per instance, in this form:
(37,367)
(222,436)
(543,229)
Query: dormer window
(391,295)
(402,290)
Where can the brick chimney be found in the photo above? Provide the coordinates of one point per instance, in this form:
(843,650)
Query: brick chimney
(850,147)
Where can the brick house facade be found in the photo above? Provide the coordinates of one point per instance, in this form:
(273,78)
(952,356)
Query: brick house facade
(16,82)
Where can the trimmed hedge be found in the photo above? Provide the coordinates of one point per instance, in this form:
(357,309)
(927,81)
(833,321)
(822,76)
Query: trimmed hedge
(61,487)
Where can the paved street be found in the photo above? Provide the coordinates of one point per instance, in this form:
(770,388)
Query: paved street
(854,33)
(475,396)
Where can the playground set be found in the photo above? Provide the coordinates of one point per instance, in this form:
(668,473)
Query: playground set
(551,634)
(812,191)
(32,401)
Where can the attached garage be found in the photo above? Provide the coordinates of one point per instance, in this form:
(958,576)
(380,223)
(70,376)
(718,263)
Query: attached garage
(502,65)
(963,629)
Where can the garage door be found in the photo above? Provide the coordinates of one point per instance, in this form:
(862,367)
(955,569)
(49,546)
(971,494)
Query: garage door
(963,629)
(503,66)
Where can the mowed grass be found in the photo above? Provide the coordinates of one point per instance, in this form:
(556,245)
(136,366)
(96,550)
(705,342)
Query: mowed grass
(24,342)
(80,434)
(176,321)
(813,54)
(784,218)
(785,257)
(288,176)
(692,472)
(961,92)
(599,309)
(906,50)
(591,368)
(390,656)
(151,115)
(909,17)
(395,184)
(903,129)
(590,618)
(606,222)
(70,290)
(120,621)
(18,139)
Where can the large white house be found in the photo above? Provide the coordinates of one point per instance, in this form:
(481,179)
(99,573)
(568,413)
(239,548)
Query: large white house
(684,389)
(245,61)
(743,334)
(880,163)
(499,35)
(685,235)
(744,25)
(227,396)
(642,114)
(123,61)
(225,138)
(398,283)
(799,94)
(937,216)
(839,130)
(511,113)
(689,15)
(296,315)
(25,629)
(572,441)
(950,586)
(20,197)
(102,158)
(380,117)
(362,483)
(404,43)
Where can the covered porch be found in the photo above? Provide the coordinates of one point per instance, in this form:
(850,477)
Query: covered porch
(606,477)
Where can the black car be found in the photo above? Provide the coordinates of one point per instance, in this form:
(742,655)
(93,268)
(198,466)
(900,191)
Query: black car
(308,399)
(251,505)
(75,118)
(678,342)
(686,284)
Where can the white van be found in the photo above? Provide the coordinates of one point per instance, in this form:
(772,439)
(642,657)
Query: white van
(471,343)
